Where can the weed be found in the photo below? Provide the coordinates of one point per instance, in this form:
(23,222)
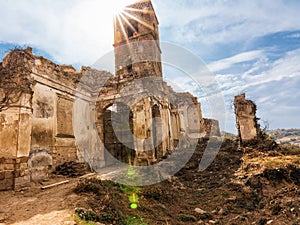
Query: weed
(185,218)
(134,220)
(83,222)
(86,215)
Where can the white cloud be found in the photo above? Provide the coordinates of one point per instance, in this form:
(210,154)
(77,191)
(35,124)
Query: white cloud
(229,62)
(275,89)
(212,22)
(273,85)
(72,31)
(75,31)
(286,67)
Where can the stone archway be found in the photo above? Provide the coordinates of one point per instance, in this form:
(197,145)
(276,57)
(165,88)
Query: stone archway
(157,135)
(175,127)
(117,135)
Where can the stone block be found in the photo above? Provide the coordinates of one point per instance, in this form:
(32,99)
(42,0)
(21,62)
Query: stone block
(17,166)
(22,160)
(9,161)
(9,174)
(6,184)
(2,175)
(24,173)
(23,166)
(9,166)
(20,181)
(17,173)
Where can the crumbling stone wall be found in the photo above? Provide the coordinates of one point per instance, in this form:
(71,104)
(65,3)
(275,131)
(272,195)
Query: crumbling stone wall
(15,119)
(246,121)
(211,128)
(36,104)
(157,104)
(39,126)
(50,113)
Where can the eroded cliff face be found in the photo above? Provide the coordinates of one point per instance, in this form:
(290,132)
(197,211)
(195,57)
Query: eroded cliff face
(246,121)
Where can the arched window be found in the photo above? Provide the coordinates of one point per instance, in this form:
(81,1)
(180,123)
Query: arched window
(132,28)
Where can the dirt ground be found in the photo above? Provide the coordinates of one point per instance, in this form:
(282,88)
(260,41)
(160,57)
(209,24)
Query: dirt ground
(36,206)
(255,184)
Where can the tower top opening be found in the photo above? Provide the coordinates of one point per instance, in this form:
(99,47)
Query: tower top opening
(136,41)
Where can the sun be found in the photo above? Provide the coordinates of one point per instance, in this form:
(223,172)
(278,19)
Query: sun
(115,7)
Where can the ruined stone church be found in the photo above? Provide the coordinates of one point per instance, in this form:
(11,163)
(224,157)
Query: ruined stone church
(51,114)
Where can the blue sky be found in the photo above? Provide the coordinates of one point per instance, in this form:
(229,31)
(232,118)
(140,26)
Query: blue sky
(249,46)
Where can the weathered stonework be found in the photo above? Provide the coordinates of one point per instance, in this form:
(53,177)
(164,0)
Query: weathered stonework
(137,47)
(246,121)
(211,128)
(30,114)
(50,113)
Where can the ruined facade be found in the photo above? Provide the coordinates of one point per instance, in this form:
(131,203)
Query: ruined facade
(211,128)
(50,113)
(36,119)
(246,121)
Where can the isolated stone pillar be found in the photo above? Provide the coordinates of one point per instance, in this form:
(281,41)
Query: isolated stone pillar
(246,121)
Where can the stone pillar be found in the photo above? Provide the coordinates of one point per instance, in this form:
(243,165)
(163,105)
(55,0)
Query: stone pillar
(246,121)
(15,138)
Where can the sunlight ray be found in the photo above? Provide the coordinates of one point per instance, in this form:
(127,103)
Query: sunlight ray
(145,11)
(127,22)
(123,29)
(115,20)
(125,34)
(139,20)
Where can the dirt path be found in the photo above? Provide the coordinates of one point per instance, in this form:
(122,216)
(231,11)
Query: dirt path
(39,207)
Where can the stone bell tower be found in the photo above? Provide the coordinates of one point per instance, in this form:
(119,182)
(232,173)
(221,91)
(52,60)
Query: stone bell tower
(136,41)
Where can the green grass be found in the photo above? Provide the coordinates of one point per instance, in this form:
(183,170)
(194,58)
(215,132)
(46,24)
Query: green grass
(86,215)
(80,221)
(134,220)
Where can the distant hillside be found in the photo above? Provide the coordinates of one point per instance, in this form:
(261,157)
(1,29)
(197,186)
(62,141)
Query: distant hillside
(228,135)
(284,136)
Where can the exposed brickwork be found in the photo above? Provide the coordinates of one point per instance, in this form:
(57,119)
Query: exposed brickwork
(14,173)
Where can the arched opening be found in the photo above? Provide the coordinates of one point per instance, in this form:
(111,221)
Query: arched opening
(129,65)
(157,132)
(194,121)
(132,28)
(118,133)
(175,126)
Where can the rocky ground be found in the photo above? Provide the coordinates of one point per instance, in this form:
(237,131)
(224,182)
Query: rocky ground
(254,184)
